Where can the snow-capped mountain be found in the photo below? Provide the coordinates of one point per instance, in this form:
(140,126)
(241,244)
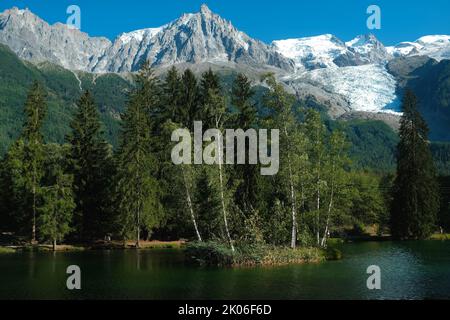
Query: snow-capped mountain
(369,49)
(434,46)
(327,51)
(312,52)
(347,76)
(367,88)
(193,38)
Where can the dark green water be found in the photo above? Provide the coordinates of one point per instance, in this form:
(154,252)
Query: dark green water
(413,270)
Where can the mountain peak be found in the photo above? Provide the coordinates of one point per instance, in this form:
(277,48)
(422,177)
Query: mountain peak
(362,40)
(204,9)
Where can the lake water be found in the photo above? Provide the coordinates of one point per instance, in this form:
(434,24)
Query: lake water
(410,270)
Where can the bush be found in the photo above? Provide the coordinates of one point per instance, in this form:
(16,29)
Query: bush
(209,253)
(218,254)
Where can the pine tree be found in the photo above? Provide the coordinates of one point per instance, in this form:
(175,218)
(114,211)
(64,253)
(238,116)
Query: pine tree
(416,194)
(90,159)
(172,95)
(35,112)
(210,89)
(57,201)
(189,99)
(138,194)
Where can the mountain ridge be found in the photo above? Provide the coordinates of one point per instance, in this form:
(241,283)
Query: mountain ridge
(348,77)
(193,38)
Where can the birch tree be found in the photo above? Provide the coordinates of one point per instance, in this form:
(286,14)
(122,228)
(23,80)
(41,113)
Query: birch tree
(334,168)
(292,144)
(316,150)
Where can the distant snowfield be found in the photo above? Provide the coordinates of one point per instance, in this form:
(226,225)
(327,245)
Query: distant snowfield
(434,46)
(321,50)
(368,88)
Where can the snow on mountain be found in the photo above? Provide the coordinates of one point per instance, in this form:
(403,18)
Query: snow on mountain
(433,46)
(193,38)
(351,73)
(368,88)
(327,51)
(369,49)
(139,35)
(312,52)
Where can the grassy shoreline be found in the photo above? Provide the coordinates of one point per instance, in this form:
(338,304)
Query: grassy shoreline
(113,245)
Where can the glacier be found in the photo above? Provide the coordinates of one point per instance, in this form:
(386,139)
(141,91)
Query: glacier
(368,88)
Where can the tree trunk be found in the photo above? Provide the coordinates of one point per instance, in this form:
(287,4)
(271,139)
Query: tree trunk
(293,207)
(222,196)
(191,209)
(54,245)
(318,213)
(138,232)
(327,227)
(33,228)
(293,198)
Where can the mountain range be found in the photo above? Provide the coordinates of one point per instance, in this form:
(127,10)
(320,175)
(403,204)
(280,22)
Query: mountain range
(360,78)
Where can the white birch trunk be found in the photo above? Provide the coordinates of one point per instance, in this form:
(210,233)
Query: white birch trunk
(191,209)
(222,196)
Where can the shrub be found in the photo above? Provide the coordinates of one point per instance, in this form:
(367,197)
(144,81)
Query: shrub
(218,254)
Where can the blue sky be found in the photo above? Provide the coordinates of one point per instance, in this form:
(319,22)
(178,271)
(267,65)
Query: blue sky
(267,20)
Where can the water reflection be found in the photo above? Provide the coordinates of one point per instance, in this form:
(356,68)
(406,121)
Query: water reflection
(410,270)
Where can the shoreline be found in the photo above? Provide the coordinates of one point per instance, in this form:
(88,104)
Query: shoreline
(113,245)
(180,244)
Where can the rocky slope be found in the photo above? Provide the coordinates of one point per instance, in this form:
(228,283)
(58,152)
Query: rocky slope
(193,38)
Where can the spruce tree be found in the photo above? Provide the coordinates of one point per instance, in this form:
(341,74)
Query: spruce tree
(416,193)
(138,192)
(210,89)
(172,90)
(33,155)
(189,99)
(89,158)
(57,201)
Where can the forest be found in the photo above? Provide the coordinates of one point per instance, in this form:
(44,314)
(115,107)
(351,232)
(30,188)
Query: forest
(84,190)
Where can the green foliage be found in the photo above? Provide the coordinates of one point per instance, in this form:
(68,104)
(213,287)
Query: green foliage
(137,194)
(63,87)
(90,165)
(217,254)
(416,195)
(57,208)
(372,145)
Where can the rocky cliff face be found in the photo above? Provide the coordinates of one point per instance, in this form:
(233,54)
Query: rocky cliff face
(33,39)
(193,38)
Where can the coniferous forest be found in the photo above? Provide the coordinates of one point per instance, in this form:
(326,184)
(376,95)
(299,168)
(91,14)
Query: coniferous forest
(85,190)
